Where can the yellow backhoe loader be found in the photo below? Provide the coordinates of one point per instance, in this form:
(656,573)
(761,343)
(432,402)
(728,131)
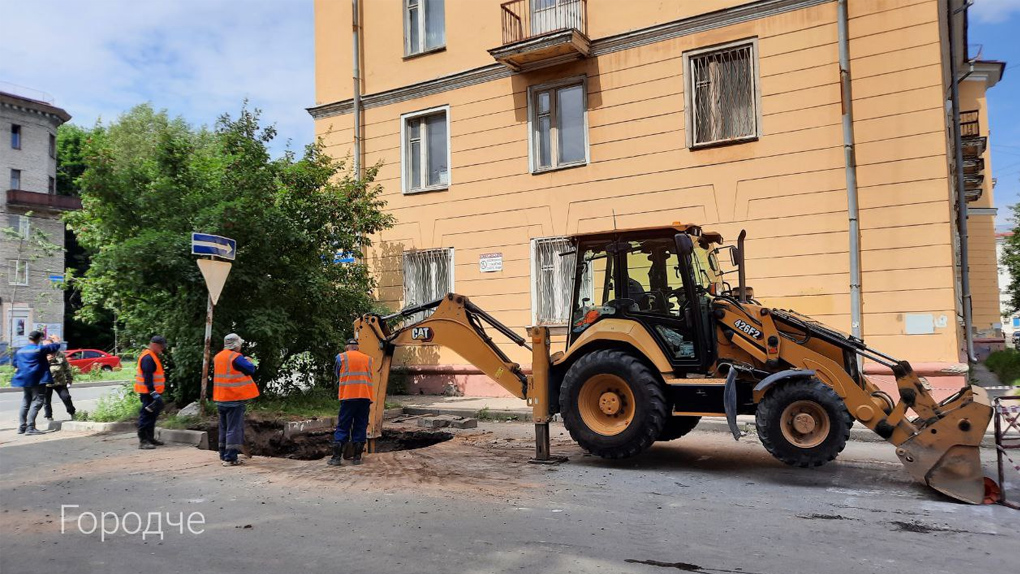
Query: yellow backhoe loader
(658,339)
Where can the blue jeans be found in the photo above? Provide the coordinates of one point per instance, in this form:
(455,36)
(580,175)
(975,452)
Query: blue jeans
(31,402)
(352,421)
(231,430)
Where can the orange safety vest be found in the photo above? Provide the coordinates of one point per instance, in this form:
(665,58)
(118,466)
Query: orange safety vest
(355,375)
(158,379)
(229,384)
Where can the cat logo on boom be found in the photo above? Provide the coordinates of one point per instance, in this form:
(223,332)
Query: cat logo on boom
(422,334)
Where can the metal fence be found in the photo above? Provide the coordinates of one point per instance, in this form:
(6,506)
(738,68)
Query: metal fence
(1007,438)
(524,19)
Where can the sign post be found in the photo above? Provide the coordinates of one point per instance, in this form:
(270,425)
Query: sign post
(215,272)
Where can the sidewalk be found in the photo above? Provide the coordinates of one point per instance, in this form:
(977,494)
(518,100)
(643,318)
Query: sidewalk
(73,386)
(511,408)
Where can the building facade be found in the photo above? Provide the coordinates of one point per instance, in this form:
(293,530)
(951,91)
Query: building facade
(501,127)
(32,242)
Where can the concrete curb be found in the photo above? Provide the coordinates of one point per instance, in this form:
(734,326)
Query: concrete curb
(73,386)
(195,438)
(858,432)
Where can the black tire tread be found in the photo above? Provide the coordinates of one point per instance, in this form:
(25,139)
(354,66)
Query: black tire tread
(655,406)
(771,408)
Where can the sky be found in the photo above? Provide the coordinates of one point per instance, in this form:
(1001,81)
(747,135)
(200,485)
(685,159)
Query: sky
(196,58)
(993,28)
(201,58)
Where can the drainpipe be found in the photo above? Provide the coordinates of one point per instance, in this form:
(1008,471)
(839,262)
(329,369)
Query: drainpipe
(961,198)
(355,5)
(850,159)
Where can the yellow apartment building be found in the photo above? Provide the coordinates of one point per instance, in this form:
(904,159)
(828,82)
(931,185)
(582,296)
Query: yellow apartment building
(501,127)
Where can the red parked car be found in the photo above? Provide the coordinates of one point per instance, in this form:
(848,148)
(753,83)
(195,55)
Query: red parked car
(87,359)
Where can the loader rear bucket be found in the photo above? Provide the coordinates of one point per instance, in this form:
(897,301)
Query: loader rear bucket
(945,454)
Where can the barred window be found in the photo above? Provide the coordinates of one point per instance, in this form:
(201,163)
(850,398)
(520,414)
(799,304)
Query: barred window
(553,267)
(722,94)
(428,275)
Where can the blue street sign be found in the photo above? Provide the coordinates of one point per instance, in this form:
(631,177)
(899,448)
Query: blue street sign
(343,257)
(56,278)
(205,244)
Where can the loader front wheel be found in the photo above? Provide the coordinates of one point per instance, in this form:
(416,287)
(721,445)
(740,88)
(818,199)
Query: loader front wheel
(612,404)
(803,423)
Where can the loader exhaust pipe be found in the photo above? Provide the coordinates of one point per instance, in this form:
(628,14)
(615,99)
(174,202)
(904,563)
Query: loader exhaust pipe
(741,269)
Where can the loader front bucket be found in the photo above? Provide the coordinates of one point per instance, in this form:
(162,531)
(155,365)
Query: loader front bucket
(945,454)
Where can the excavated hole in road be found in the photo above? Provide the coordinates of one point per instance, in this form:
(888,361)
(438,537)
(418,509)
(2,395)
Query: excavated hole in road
(265,438)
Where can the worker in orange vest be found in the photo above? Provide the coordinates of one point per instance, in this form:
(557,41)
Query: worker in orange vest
(232,388)
(354,375)
(150,382)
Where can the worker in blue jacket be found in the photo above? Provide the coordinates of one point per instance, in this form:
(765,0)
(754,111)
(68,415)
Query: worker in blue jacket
(33,368)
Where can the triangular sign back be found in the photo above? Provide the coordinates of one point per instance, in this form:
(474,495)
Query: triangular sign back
(215,273)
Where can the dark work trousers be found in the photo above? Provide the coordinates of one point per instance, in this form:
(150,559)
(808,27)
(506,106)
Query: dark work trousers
(231,430)
(147,419)
(352,421)
(31,402)
(65,396)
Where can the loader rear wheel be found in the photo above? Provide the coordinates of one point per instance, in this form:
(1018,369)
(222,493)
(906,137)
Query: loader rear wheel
(803,423)
(677,427)
(612,404)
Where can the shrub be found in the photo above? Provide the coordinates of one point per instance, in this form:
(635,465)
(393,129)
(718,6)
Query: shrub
(121,405)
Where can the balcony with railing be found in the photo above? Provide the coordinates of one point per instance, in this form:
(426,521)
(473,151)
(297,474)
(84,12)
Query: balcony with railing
(539,33)
(974,145)
(42,201)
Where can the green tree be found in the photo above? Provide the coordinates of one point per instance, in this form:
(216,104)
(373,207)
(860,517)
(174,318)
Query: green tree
(99,331)
(151,180)
(1011,260)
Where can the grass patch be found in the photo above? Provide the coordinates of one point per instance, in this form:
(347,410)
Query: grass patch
(178,422)
(6,374)
(98,376)
(317,403)
(486,415)
(121,405)
(1006,365)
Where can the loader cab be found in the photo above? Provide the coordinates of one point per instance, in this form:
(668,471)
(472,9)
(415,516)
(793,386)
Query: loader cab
(659,278)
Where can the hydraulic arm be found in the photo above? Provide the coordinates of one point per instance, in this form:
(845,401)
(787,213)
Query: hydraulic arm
(459,325)
(938,446)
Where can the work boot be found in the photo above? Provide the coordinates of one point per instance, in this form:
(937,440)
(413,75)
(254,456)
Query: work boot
(145,445)
(21,430)
(338,451)
(359,447)
(33,431)
(153,439)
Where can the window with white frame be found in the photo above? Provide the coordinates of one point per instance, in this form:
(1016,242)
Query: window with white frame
(552,274)
(428,275)
(722,94)
(425,143)
(424,26)
(17,272)
(559,124)
(19,226)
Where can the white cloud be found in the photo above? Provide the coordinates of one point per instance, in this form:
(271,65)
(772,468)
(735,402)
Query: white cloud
(197,58)
(994,11)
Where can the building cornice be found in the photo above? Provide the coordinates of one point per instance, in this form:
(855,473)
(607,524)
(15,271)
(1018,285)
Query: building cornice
(987,71)
(599,47)
(34,107)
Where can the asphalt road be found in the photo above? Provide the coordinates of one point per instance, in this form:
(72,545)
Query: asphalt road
(83,399)
(473,505)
